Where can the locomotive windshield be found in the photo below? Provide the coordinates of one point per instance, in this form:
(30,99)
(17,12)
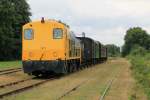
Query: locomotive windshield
(57,33)
(28,34)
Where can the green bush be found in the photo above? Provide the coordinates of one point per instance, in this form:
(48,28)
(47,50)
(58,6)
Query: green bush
(138,50)
(140,60)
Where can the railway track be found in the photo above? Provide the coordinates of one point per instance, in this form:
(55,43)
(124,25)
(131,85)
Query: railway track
(71,90)
(109,84)
(107,88)
(9,71)
(25,84)
(20,86)
(16,82)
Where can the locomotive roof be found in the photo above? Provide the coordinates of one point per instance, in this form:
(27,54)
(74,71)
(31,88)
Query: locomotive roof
(86,38)
(49,21)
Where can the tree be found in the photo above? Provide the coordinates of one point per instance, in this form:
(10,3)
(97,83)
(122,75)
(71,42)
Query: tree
(22,13)
(13,15)
(113,50)
(6,31)
(135,36)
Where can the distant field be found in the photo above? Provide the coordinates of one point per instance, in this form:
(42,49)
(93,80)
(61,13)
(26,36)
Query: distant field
(10,64)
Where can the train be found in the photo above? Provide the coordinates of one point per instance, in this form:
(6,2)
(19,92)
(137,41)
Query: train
(49,46)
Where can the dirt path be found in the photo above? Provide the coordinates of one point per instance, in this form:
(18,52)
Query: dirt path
(122,85)
(94,81)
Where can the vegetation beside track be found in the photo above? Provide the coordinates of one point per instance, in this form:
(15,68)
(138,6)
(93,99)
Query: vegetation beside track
(140,60)
(137,50)
(10,64)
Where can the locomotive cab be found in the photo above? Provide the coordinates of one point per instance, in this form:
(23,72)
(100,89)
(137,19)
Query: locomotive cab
(43,46)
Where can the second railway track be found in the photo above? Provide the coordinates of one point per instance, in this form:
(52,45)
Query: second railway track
(20,86)
(9,71)
(16,82)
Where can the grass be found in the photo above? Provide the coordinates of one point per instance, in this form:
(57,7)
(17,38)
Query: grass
(141,71)
(137,92)
(10,64)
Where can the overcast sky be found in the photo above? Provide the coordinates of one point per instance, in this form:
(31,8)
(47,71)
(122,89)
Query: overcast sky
(103,20)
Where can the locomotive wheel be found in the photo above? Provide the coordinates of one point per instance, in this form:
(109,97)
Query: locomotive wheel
(66,70)
(36,74)
(29,74)
(69,69)
(74,67)
(66,67)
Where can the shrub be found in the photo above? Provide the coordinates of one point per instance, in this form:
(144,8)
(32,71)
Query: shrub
(140,61)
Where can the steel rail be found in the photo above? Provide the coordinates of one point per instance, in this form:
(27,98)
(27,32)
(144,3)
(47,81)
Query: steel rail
(14,83)
(71,90)
(10,71)
(110,82)
(107,89)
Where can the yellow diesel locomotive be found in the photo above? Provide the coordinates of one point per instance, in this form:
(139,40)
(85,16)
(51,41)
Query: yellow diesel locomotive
(49,46)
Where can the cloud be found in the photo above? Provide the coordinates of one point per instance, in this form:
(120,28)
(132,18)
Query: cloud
(109,8)
(111,36)
(103,20)
(54,9)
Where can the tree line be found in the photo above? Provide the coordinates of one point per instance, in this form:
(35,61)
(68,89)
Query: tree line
(136,38)
(13,15)
(113,50)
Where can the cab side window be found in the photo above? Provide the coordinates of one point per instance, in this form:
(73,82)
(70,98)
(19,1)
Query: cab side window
(57,33)
(28,34)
